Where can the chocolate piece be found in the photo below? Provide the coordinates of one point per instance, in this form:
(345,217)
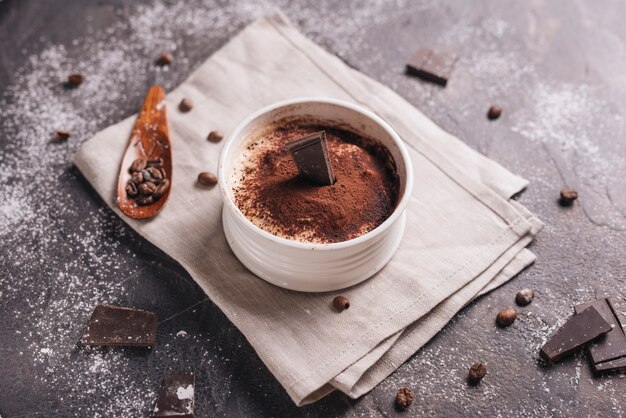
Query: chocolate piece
(608,352)
(431,66)
(311,156)
(610,365)
(176,398)
(578,331)
(120,327)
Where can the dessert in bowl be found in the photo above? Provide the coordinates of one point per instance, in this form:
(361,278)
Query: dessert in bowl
(305,236)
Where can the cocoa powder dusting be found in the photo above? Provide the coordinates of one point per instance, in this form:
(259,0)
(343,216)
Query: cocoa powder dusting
(271,193)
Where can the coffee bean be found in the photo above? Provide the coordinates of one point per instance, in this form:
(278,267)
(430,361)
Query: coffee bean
(155,174)
(147,188)
(506,317)
(137,177)
(207,179)
(215,136)
(477,372)
(131,189)
(75,80)
(404,397)
(341,303)
(61,135)
(524,296)
(138,165)
(161,189)
(165,58)
(185,105)
(494,112)
(145,200)
(147,176)
(568,196)
(157,162)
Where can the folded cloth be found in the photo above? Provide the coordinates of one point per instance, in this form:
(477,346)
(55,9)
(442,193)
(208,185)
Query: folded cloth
(464,235)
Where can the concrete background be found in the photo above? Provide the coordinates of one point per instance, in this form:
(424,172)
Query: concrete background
(556,68)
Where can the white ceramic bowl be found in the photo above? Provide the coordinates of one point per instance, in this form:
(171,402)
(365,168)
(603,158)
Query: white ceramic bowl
(313,267)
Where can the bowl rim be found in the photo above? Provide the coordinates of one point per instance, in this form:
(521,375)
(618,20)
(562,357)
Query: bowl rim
(395,215)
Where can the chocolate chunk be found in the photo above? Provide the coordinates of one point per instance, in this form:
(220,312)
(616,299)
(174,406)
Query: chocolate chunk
(176,398)
(120,327)
(578,331)
(311,156)
(610,365)
(432,66)
(608,352)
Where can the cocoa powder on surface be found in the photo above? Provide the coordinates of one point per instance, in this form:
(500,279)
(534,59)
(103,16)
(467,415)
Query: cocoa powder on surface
(271,193)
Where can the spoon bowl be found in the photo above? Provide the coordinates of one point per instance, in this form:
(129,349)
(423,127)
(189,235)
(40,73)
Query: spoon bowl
(149,140)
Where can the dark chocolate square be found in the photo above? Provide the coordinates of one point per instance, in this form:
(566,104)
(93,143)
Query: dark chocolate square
(176,398)
(432,66)
(577,331)
(120,327)
(609,351)
(311,156)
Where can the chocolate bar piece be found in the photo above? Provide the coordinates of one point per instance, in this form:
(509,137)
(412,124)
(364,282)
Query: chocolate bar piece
(609,352)
(120,327)
(311,157)
(432,66)
(176,398)
(578,331)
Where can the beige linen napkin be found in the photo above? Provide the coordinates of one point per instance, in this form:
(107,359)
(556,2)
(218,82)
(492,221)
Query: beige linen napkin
(464,236)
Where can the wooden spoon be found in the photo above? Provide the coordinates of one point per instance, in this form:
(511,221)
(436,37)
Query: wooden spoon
(150,140)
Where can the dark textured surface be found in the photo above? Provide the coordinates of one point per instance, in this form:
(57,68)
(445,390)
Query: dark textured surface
(555,67)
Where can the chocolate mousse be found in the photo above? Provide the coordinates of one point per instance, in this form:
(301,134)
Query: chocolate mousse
(269,190)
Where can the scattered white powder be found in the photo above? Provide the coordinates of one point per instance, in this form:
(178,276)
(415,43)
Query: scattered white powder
(560,115)
(185,392)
